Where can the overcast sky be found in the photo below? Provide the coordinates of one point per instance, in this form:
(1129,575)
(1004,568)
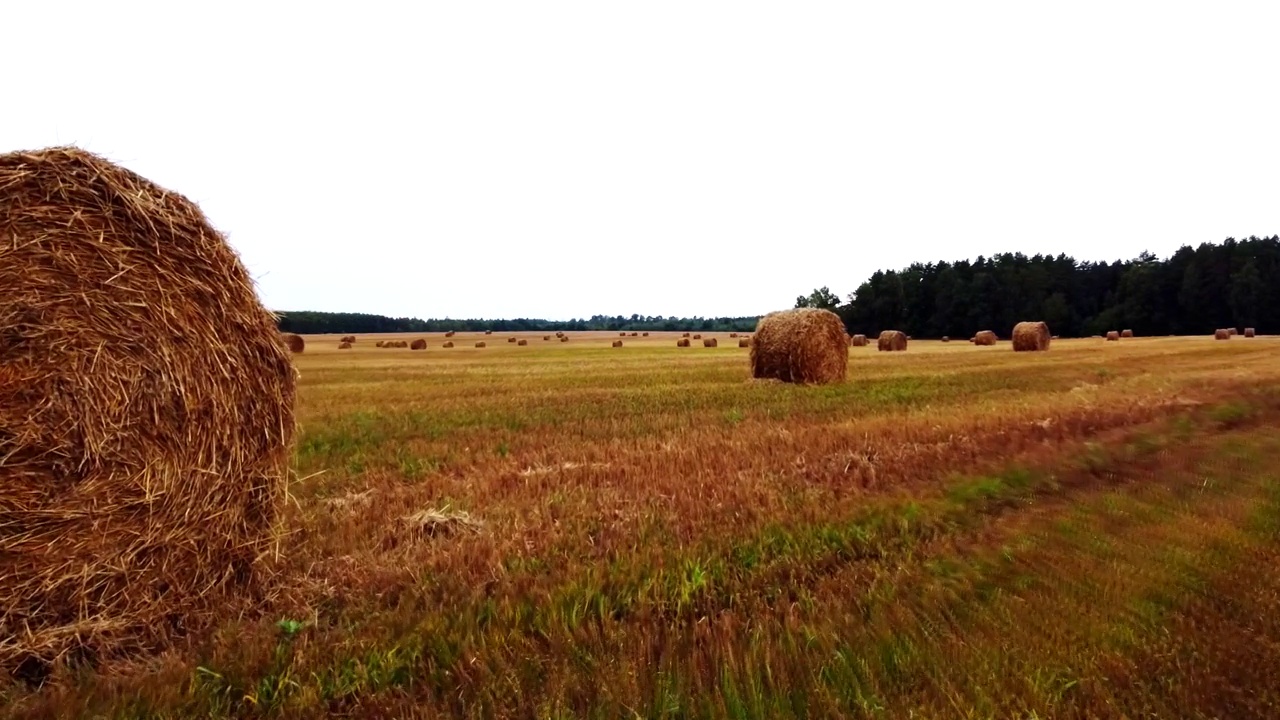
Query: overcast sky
(557,159)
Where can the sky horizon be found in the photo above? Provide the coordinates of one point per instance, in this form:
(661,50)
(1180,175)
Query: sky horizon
(557,161)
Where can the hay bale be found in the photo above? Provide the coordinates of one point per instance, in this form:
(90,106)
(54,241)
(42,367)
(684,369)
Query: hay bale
(1222,334)
(733,336)
(488,332)
(1126,333)
(559,334)
(348,339)
(645,334)
(984,338)
(802,345)
(511,339)
(380,343)
(1031,337)
(682,342)
(1232,331)
(344,346)
(294,342)
(709,342)
(448,344)
(522,341)
(617,343)
(564,338)
(1248,332)
(858,341)
(697,337)
(546,338)
(480,343)
(622,334)
(744,342)
(450,334)
(946,339)
(892,341)
(1113,336)
(418,344)
(635,334)
(146,414)
(685,335)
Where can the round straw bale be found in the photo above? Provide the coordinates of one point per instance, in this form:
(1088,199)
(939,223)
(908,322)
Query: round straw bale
(448,344)
(685,335)
(1248,332)
(294,342)
(709,342)
(697,337)
(892,341)
(344,345)
(380,343)
(1232,331)
(858,341)
(348,338)
(1222,334)
(546,338)
(450,334)
(418,344)
(1113,336)
(480,343)
(1031,337)
(617,343)
(744,342)
(946,339)
(984,338)
(733,336)
(146,414)
(635,334)
(1126,333)
(559,334)
(682,342)
(802,345)
(488,332)
(522,341)
(564,338)
(645,334)
(511,339)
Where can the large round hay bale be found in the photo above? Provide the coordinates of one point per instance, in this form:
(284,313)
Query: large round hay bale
(1222,334)
(511,339)
(744,342)
(564,338)
(294,342)
(380,343)
(682,342)
(985,338)
(1248,332)
(1126,333)
(644,334)
(710,342)
(488,332)
(858,341)
(418,344)
(546,338)
(617,343)
(892,341)
(1113,336)
(802,345)
(480,343)
(1031,337)
(146,414)
(522,341)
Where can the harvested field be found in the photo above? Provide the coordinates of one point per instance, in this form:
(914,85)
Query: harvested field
(949,532)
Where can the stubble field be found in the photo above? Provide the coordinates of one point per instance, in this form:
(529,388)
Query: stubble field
(576,530)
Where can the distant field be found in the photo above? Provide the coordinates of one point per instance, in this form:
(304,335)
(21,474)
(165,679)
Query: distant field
(645,532)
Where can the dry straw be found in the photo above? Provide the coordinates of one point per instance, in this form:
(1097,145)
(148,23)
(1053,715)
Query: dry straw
(294,342)
(985,338)
(1248,332)
(803,345)
(146,414)
(1031,337)
(1222,334)
(892,341)
(1113,336)
(418,344)
(709,342)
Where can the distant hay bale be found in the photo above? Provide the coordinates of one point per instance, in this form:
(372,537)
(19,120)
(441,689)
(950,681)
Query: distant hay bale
(480,344)
(488,332)
(522,341)
(1031,337)
(682,342)
(1113,336)
(1232,331)
(622,334)
(146,415)
(559,334)
(892,341)
(1055,337)
(733,336)
(946,339)
(1248,332)
(685,335)
(858,341)
(635,334)
(1222,334)
(564,338)
(511,339)
(344,345)
(418,344)
(985,338)
(348,338)
(697,337)
(294,342)
(802,345)
(450,334)
(546,338)
(709,342)
(744,342)
(645,334)
(1126,333)
(617,343)
(380,343)
(448,344)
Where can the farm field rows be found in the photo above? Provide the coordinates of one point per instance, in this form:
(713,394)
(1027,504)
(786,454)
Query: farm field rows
(576,530)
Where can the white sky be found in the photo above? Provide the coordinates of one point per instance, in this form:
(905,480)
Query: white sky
(559,159)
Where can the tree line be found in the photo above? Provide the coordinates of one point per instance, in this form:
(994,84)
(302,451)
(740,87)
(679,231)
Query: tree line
(1193,292)
(308,322)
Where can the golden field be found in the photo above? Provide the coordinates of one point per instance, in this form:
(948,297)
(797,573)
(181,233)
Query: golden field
(574,530)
